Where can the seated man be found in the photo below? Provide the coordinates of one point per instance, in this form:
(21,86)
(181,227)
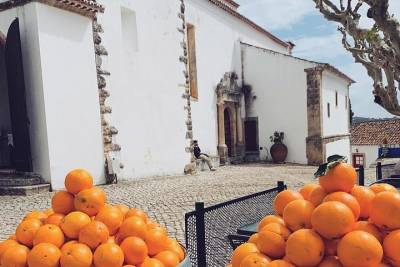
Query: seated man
(202,156)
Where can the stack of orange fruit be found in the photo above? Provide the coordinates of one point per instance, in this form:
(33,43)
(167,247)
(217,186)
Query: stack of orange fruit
(335,223)
(82,230)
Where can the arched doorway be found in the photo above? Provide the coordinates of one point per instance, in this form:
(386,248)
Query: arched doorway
(15,149)
(228,131)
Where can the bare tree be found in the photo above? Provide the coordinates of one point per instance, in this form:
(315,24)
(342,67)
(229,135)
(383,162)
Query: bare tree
(377,49)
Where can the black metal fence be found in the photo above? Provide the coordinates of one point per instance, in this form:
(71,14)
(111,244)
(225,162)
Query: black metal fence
(208,228)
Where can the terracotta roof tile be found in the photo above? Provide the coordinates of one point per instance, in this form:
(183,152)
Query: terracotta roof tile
(375,132)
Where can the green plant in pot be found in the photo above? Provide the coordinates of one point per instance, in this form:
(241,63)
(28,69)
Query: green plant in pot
(278,150)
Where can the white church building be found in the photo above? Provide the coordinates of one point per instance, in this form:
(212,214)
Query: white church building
(125,86)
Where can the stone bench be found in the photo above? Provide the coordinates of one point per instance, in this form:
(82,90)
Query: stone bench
(202,165)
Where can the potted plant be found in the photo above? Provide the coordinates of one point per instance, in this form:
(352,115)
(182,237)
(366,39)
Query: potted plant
(278,150)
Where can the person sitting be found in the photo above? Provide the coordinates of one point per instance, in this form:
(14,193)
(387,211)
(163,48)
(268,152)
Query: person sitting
(202,156)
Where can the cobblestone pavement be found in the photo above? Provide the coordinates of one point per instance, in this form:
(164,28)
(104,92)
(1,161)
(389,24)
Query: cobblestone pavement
(167,199)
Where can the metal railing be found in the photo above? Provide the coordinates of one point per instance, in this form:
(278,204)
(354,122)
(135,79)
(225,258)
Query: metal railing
(208,228)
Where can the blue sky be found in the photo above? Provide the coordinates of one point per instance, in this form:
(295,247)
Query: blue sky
(316,39)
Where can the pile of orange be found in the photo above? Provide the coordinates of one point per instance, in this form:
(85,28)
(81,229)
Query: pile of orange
(82,230)
(335,223)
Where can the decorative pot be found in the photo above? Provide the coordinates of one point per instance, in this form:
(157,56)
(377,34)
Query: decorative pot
(279,152)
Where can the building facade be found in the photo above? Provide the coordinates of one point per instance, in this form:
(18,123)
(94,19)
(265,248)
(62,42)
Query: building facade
(125,86)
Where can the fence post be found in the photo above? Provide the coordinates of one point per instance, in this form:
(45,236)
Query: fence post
(379,171)
(200,235)
(361,176)
(281,186)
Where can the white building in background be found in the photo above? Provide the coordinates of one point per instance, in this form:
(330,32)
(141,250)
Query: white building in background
(168,72)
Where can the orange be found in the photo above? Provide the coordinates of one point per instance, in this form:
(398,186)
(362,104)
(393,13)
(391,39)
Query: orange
(378,188)
(108,255)
(135,250)
(255,260)
(90,201)
(364,196)
(346,199)
(73,223)
(112,217)
(305,248)
(12,237)
(136,212)
(67,245)
(174,246)
(27,230)
(39,215)
(278,229)
(133,226)
(270,219)
(391,246)
(359,248)
(342,177)
(94,234)
(385,210)
(55,219)
(253,238)
(271,244)
(44,255)
(332,211)
(297,214)
(49,233)
(284,198)
(280,263)
(48,212)
(78,180)
(330,262)
(241,252)
(15,256)
(5,245)
(317,195)
(151,262)
(168,258)
(76,255)
(63,202)
(123,208)
(156,241)
(331,246)
(369,228)
(306,190)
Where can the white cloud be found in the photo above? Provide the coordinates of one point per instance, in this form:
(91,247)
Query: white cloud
(276,14)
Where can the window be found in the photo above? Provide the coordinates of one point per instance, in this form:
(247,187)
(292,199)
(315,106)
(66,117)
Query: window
(358,160)
(129,30)
(191,41)
(346,102)
(329,110)
(336,99)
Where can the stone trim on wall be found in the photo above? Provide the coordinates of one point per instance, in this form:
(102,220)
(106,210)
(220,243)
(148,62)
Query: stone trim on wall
(334,138)
(314,143)
(183,59)
(88,8)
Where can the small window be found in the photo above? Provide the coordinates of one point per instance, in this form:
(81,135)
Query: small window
(358,160)
(191,41)
(336,99)
(329,110)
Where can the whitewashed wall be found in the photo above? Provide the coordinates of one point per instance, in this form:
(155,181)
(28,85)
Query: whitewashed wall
(340,147)
(148,109)
(70,93)
(371,153)
(28,19)
(280,86)
(218,36)
(338,122)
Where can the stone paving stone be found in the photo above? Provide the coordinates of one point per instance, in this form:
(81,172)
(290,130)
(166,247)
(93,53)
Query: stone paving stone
(167,199)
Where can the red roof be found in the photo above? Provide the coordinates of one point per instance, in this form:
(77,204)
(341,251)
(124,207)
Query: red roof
(376,132)
(252,24)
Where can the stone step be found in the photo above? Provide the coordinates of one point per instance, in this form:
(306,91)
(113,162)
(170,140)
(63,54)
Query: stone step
(24,190)
(7,181)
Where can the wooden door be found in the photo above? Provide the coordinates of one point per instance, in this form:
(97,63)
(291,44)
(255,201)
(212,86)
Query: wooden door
(21,152)
(251,135)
